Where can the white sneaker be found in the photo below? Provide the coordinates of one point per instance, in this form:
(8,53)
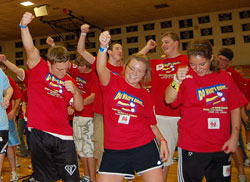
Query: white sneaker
(247,162)
(242,178)
(14,177)
(248,146)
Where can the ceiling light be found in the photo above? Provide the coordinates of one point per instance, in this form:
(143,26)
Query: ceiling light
(27,3)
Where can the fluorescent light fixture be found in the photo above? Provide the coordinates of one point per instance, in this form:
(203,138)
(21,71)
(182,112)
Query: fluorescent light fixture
(27,3)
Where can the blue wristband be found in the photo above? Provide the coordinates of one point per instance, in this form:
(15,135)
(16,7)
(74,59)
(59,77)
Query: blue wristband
(103,49)
(22,26)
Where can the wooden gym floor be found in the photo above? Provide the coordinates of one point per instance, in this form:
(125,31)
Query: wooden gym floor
(25,171)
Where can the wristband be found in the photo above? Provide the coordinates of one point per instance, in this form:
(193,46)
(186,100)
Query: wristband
(103,49)
(82,33)
(5,60)
(163,140)
(175,78)
(22,26)
(52,45)
(175,85)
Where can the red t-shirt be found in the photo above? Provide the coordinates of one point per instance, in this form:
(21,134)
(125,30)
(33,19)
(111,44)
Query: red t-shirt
(16,93)
(206,105)
(247,89)
(98,103)
(48,101)
(237,79)
(163,71)
(87,83)
(128,114)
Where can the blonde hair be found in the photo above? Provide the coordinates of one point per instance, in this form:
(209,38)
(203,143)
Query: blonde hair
(141,58)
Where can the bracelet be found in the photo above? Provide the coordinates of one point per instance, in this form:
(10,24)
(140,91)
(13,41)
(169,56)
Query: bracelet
(175,84)
(22,26)
(175,78)
(82,33)
(163,140)
(5,60)
(52,45)
(103,49)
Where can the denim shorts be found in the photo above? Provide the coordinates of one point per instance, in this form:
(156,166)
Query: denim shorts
(13,137)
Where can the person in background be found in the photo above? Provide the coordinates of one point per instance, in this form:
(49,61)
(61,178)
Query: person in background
(83,121)
(163,71)
(246,117)
(11,112)
(6,93)
(114,64)
(52,147)
(225,57)
(209,100)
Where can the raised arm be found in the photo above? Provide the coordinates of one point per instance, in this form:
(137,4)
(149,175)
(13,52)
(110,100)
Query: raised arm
(172,90)
(33,57)
(81,45)
(18,71)
(50,41)
(102,70)
(151,44)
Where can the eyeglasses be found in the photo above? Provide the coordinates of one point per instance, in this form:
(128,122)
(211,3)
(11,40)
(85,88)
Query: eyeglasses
(137,71)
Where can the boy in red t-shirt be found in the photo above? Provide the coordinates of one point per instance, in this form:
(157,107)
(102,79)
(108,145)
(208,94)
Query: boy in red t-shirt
(163,71)
(50,92)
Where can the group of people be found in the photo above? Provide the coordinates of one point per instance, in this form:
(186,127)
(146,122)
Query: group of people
(119,126)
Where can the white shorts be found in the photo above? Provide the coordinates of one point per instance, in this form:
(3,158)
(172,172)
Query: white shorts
(169,129)
(83,135)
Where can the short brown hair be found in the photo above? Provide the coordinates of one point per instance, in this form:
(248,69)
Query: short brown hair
(111,45)
(80,61)
(172,35)
(57,54)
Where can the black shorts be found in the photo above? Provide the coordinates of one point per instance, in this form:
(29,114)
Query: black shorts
(53,158)
(4,137)
(126,162)
(214,166)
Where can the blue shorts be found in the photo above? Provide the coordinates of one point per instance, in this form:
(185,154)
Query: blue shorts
(127,162)
(13,137)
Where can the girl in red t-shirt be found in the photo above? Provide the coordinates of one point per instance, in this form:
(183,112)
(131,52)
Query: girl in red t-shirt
(130,130)
(209,99)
